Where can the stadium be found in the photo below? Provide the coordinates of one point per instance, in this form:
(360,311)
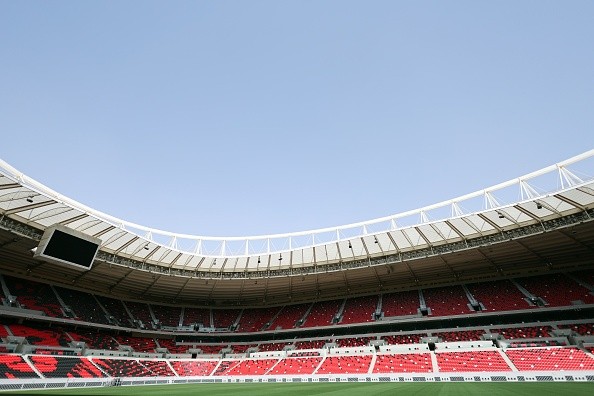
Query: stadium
(492,286)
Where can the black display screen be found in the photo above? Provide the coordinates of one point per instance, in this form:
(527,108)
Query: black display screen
(71,249)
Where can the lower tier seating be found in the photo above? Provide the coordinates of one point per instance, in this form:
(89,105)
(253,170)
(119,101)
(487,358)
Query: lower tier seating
(403,363)
(185,368)
(345,365)
(550,359)
(471,361)
(65,367)
(122,367)
(296,366)
(14,366)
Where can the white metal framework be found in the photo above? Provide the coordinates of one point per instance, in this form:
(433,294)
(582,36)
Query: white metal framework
(553,192)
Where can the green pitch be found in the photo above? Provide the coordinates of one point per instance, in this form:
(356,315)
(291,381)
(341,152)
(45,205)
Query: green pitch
(337,389)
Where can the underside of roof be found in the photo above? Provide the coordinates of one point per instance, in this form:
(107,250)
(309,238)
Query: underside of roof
(537,222)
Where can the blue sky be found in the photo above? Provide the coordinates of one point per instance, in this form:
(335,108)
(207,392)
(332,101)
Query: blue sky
(231,118)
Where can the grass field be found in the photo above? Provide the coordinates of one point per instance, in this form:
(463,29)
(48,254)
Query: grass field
(338,389)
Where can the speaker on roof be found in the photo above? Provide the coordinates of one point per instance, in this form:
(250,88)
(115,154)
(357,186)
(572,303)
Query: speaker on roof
(65,246)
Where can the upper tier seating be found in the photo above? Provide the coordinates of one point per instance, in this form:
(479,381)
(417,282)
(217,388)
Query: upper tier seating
(403,363)
(117,310)
(445,301)
(197,315)
(461,335)
(547,287)
(83,305)
(33,295)
(401,304)
(471,361)
(322,313)
(345,365)
(188,368)
(359,310)
(501,295)
(167,316)
(242,348)
(523,332)
(585,275)
(553,359)
(311,344)
(394,339)
(225,318)
(272,346)
(354,341)
(255,319)
(584,329)
(14,366)
(65,367)
(141,312)
(296,366)
(288,316)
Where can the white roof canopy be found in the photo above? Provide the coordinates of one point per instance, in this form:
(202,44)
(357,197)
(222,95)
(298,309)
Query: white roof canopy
(555,191)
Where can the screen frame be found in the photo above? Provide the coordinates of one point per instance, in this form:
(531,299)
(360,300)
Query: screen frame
(46,238)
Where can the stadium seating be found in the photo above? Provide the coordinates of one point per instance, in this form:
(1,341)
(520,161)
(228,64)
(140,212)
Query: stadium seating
(462,335)
(254,319)
(322,313)
(15,366)
(359,310)
(523,332)
(94,339)
(172,347)
(272,346)
(584,329)
(400,304)
(41,336)
(353,341)
(547,287)
(188,368)
(157,368)
(250,367)
(311,344)
(394,339)
(403,363)
(242,348)
(167,316)
(345,365)
(122,367)
(34,295)
(225,318)
(210,349)
(501,295)
(550,359)
(65,367)
(83,305)
(471,361)
(140,311)
(296,366)
(288,316)
(116,309)
(196,315)
(139,344)
(444,301)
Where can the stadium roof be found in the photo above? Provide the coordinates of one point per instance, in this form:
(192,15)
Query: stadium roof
(446,241)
